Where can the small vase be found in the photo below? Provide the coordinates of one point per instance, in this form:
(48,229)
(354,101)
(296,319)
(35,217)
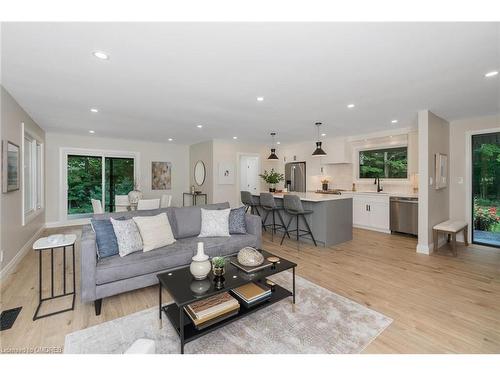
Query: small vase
(200,266)
(218,271)
(325,187)
(272,188)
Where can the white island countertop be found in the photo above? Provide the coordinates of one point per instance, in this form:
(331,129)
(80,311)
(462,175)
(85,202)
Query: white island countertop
(310,196)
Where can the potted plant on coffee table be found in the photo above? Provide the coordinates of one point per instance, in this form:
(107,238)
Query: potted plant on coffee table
(272,178)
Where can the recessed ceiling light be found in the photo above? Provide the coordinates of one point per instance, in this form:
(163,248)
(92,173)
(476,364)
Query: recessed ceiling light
(491,74)
(235,137)
(199,126)
(91,131)
(101,55)
(278,143)
(394,121)
(95,110)
(170,139)
(350,106)
(323,134)
(260,98)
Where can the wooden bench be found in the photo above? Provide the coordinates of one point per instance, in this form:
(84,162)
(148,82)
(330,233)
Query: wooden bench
(450,228)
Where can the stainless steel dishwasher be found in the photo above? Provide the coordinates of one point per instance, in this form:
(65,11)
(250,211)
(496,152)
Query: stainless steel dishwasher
(404,215)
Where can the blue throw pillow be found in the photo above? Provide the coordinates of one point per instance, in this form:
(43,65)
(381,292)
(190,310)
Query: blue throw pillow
(237,221)
(107,245)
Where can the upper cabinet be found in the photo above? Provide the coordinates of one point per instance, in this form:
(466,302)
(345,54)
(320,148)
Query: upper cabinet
(338,151)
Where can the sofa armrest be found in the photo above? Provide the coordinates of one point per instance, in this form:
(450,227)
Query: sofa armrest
(88,262)
(254,226)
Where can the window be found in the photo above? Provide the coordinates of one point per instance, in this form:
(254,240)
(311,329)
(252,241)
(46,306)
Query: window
(32,175)
(384,163)
(97,177)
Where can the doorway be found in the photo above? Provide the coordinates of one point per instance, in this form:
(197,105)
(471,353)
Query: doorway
(249,173)
(485,179)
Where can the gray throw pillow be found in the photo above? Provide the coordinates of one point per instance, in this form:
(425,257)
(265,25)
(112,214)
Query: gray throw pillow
(105,238)
(237,221)
(127,235)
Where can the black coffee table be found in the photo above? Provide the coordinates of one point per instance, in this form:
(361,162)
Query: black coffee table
(184,289)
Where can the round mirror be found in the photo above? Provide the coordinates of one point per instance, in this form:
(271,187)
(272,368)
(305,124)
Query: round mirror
(199,173)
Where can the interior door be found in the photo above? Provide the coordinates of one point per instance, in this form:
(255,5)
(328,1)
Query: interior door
(249,180)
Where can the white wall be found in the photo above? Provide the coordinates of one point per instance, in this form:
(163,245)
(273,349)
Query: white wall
(460,130)
(433,207)
(16,238)
(149,151)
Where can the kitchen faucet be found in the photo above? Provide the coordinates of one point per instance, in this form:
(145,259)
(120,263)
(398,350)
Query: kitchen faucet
(377,182)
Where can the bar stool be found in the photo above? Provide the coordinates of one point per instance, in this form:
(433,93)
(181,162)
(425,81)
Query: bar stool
(293,207)
(251,203)
(267,203)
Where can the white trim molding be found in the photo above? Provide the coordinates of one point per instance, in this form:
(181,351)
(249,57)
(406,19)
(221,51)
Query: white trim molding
(468,175)
(14,262)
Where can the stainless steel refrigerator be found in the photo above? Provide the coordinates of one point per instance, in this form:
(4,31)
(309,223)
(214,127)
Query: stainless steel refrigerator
(295,176)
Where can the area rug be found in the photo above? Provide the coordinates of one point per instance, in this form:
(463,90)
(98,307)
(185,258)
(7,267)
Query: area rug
(320,322)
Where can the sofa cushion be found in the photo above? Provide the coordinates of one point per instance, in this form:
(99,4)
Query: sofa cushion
(214,223)
(105,238)
(155,231)
(127,235)
(188,219)
(142,263)
(237,221)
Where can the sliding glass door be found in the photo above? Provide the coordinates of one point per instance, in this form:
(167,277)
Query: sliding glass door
(96,177)
(486,189)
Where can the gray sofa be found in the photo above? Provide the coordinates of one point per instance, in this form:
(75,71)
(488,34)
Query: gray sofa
(109,276)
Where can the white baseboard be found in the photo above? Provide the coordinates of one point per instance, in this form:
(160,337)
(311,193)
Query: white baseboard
(371,228)
(425,248)
(67,223)
(11,266)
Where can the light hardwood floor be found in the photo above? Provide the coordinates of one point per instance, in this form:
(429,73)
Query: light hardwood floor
(439,303)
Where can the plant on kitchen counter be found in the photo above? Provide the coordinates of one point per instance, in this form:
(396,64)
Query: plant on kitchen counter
(272,178)
(324,184)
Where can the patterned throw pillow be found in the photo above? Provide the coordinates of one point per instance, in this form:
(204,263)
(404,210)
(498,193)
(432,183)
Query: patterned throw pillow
(155,231)
(127,235)
(237,221)
(214,223)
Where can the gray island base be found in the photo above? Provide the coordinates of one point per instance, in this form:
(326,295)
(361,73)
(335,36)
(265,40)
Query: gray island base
(331,222)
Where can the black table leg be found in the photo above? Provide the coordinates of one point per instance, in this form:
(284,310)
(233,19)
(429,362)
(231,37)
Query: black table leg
(52,272)
(159,298)
(64,270)
(293,272)
(181,328)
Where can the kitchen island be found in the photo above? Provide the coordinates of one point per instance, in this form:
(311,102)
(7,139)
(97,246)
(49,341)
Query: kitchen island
(331,222)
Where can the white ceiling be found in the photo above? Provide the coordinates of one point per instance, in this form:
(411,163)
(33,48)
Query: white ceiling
(162,79)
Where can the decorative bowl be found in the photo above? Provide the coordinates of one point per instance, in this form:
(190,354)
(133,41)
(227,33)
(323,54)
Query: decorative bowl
(250,257)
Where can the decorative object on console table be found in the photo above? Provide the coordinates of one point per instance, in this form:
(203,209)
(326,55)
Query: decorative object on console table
(10,166)
(226,173)
(161,175)
(218,266)
(200,266)
(135,195)
(324,184)
(272,178)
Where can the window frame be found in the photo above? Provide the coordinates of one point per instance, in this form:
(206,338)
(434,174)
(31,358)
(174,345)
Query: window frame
(36,173)
(381,146)
(63,175)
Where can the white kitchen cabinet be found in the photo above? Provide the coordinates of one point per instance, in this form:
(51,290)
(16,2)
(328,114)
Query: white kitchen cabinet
(338,151)
(371,211)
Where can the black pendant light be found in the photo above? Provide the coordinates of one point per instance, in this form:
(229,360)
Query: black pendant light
(319,151)
(273,155)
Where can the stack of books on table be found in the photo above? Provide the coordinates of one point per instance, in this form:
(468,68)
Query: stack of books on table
(212,310)
(252,294)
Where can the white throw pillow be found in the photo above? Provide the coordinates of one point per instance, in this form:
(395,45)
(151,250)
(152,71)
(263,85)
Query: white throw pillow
(127,235)
(214,223)
(155,231)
